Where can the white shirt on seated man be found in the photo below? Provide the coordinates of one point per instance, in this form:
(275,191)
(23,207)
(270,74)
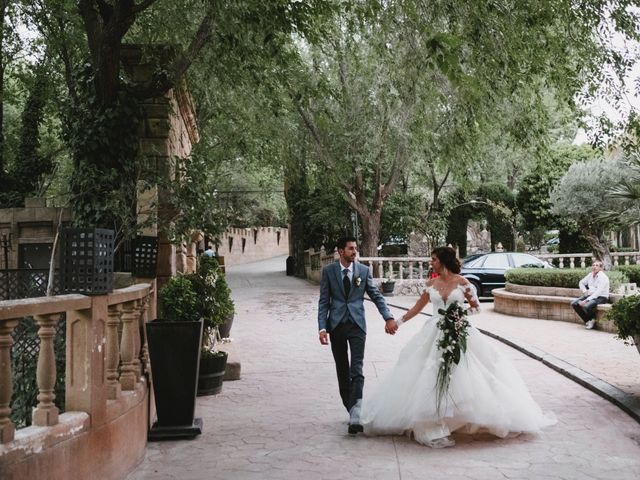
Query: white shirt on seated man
(595,290)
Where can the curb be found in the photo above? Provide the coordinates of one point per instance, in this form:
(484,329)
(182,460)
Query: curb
(627,403)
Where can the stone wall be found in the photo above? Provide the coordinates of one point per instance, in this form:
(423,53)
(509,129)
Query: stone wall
(245,245)
(29,229)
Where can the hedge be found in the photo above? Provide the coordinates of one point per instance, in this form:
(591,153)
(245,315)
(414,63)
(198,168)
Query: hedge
(631,271)
(560,277)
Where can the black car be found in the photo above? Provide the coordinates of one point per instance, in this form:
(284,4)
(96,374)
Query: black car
(486,271)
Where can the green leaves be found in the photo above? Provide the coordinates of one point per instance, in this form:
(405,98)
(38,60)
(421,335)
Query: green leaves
(625,314)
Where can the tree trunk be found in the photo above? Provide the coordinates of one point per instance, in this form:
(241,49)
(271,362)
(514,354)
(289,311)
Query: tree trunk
(296,192)
(600,248)
(3,8)
(370,234)
(108,74)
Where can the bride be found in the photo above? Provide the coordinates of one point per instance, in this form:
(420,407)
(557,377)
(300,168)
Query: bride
(484,392)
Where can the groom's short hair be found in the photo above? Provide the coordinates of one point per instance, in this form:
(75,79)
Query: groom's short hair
(341,244)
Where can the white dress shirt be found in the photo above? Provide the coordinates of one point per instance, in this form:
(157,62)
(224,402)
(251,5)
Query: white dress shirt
(595,287)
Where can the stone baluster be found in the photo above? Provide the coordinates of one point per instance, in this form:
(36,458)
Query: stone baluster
(615,260)
(7,428)
(127,345)
(421,270)
(401,271)
(583,262)
(46,413)
(112,354)
(145,347)
(410,270)
(137,364)
(571,263)
(626,260)
(389,269)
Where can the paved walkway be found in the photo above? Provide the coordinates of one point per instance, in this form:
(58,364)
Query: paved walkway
(284,420)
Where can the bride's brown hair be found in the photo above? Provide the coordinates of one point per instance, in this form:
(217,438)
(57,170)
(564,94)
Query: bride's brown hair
(448,258)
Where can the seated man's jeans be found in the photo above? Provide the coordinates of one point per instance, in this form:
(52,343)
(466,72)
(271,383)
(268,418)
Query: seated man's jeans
(588,311)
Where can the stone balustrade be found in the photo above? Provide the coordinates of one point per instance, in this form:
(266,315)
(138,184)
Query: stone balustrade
(106,399)
(410,273)
(579,260)
(315,261)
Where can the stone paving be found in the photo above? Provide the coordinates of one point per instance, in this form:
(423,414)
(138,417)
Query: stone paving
(284,420)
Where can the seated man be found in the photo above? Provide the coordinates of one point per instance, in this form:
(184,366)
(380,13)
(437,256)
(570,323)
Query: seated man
(595,290)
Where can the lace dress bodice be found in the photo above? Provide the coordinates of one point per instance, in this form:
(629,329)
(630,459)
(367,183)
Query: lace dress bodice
(456,294)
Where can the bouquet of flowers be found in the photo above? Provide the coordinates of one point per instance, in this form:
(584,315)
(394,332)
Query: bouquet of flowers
(454,326)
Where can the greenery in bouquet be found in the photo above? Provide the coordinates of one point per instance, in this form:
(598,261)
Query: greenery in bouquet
(454,326)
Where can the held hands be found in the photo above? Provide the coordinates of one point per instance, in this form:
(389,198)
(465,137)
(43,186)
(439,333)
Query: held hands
(324,338)
(391,326)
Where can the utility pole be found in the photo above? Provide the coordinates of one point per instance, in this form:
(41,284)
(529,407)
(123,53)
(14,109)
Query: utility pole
(5,243)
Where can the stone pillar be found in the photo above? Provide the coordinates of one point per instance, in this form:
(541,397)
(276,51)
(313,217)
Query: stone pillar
(169,131)
(112,354)
(7,428)
(129,327)
(46,413)
(86,388)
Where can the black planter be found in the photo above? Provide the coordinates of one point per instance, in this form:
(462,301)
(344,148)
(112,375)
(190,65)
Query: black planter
(387,288)
(211,373)
(86,260)
(174,351)
(225,328)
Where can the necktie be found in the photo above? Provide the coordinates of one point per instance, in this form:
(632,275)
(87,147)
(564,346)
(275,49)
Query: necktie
(346,282)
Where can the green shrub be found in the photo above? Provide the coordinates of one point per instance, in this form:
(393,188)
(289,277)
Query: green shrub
(625,314)
(202,295)
(559,277)
(631,271)
(179,301)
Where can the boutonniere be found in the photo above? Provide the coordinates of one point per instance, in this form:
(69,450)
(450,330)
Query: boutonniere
(357,281)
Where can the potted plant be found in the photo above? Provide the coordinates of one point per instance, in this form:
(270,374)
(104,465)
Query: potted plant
(388,284)
(174,342)
(217,310)
(625,314)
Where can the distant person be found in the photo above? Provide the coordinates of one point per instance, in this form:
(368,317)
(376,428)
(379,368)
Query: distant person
(209,252)
(595,291)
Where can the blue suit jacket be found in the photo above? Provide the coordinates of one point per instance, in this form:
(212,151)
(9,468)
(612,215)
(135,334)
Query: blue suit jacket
(333,306)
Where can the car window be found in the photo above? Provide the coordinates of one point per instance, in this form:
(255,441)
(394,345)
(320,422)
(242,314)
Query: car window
(498,260)
(521,259)
(473,261)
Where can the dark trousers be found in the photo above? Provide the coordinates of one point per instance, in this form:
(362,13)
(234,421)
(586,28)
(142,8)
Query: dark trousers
(588,311)
(348,336)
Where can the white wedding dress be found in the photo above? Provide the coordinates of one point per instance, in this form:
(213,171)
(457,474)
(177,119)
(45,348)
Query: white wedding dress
(486,393)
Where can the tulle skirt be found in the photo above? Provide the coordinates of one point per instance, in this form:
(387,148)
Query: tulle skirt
(486,393)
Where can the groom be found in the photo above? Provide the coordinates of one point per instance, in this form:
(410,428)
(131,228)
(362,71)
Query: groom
(341,317)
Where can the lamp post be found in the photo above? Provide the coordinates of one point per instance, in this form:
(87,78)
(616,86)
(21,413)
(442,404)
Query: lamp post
(354,226)
(5,243)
